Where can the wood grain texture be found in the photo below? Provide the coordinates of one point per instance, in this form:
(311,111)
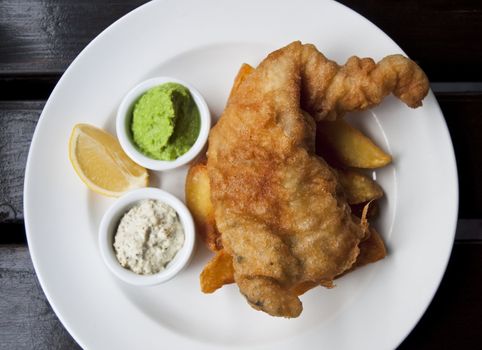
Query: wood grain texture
(26,318)
(18,121)
(452,321)
(45,36)
(439,34)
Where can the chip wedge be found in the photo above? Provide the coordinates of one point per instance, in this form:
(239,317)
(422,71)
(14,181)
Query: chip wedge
(198,200)
(339,142)
(358,188)
(218,272)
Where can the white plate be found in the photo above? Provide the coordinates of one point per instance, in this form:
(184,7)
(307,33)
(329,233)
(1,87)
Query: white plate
(205,42)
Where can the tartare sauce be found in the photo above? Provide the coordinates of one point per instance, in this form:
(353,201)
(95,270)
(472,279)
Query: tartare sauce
(148,237)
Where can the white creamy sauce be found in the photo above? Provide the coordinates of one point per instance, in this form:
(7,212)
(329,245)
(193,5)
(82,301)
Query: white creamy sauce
(148,237)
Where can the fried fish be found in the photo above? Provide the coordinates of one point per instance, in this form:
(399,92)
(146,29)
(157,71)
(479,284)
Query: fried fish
(280,209)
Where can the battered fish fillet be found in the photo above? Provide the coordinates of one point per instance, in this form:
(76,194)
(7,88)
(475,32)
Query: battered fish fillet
(281,212)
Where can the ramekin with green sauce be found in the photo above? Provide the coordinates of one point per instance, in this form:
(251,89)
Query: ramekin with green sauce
(163,123)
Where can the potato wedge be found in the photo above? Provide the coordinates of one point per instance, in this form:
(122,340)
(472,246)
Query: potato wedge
(358,188)
(373,209)
(339,142)
(198,200)
(218,272)
(372,249)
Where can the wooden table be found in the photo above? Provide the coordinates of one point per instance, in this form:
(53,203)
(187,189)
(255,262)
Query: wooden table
(39,39)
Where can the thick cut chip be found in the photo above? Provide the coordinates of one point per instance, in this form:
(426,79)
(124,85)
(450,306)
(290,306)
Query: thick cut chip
(198,200)
(358,187)
(373,209)
(218,272)
(372,249)
(340,143)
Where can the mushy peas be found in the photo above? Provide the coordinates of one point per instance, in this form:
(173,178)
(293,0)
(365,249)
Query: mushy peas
(165,122)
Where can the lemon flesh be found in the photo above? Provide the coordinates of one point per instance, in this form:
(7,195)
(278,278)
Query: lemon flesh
(102,165)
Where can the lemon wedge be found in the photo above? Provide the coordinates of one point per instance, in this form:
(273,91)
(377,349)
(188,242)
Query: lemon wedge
(102,165)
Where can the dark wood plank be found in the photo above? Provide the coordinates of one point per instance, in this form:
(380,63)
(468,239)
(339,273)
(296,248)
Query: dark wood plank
(18,121)
(27,320)
(12,233)
(439,34)
(469,230)
(27,87)
(45,36)
(463,114)
(452,321)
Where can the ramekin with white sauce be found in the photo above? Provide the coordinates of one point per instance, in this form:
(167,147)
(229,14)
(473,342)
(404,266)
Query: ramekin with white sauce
(147,237)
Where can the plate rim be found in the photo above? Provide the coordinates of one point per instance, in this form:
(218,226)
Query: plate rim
(118,22)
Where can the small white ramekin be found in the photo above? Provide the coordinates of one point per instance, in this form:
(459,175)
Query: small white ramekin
(108,227)
(124,118)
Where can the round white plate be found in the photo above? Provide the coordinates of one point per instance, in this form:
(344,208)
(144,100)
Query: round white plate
(204,43)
